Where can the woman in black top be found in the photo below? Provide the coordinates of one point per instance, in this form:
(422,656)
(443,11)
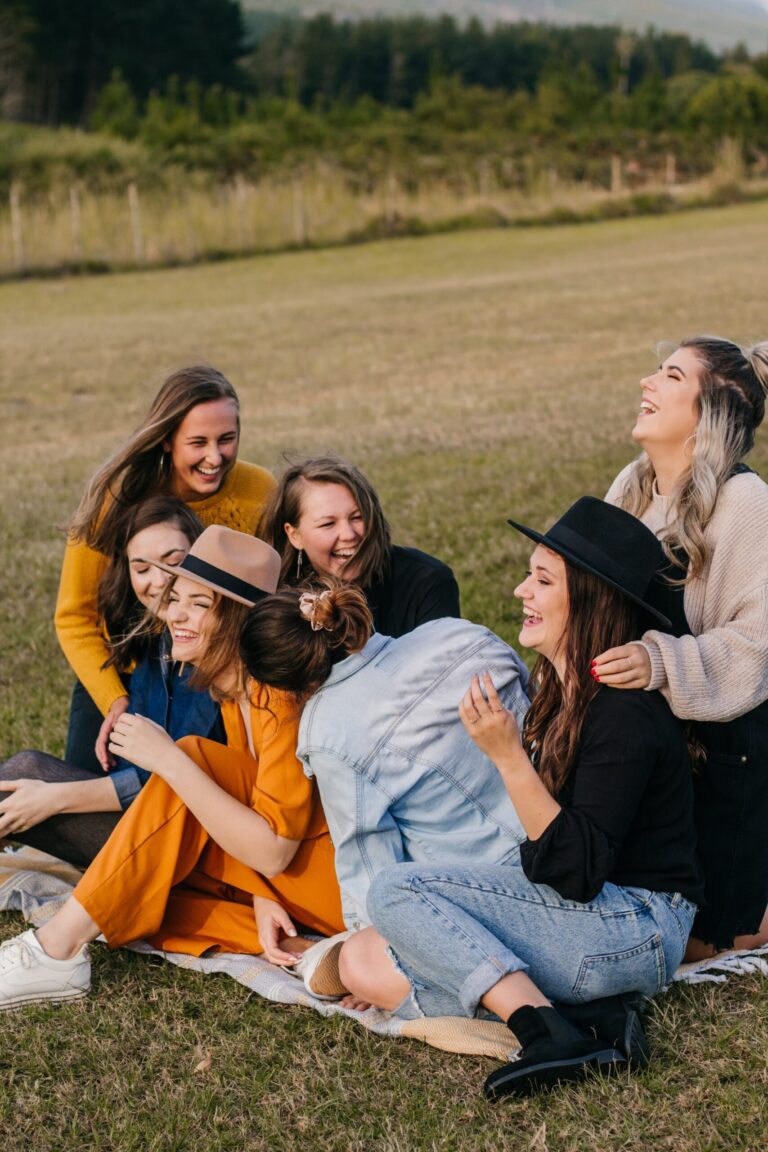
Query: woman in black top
(325,517)
(601,899)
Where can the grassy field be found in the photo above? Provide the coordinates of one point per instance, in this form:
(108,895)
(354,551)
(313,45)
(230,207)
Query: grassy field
(474,377)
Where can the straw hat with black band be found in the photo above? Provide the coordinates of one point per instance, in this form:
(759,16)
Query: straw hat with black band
(236,565)
(611,544)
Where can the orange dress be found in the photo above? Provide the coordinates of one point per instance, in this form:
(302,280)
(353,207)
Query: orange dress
(160,877)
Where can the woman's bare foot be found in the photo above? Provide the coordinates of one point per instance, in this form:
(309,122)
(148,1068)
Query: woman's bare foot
(297,944)
(698,950)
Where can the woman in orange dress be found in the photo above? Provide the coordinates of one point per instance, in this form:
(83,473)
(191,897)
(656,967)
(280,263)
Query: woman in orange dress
(220,836)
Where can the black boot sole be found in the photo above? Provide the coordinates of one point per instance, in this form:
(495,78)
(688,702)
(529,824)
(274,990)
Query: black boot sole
(519,1079)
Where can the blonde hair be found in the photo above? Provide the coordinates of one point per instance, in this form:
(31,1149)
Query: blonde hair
(733,389)
(141,468)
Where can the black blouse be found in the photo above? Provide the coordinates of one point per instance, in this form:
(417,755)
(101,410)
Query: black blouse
(627,806)
(415,589)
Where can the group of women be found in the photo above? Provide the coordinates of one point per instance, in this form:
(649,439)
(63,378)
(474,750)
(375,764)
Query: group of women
(282,729)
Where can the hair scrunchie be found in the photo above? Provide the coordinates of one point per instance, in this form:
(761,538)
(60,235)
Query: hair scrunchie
(308,605)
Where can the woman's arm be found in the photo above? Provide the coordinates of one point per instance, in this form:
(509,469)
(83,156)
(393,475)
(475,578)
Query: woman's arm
(238,829)
(29,802)
(494,730)
(722,672)
(79,629)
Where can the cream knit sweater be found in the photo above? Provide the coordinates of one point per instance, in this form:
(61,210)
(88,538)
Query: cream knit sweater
(721,671)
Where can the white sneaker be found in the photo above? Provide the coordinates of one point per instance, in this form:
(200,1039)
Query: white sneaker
(28,975)
(319,968)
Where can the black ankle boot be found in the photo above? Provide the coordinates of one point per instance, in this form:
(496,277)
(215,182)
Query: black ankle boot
(553,1050)
(616,1020)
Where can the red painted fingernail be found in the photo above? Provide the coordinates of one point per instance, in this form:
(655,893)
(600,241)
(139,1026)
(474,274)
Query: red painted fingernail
(597,678)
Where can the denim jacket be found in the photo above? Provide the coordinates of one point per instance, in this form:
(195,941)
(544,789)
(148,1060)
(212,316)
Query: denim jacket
(399,777)
(159,691)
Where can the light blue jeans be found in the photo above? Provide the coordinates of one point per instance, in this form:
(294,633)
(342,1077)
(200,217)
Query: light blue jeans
(454,933)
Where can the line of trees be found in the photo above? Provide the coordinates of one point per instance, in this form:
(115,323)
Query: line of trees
(170,83)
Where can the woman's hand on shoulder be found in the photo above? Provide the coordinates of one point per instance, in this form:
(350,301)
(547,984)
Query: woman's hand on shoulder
(119,707)
(492,727)
(29,803)
(143,742)
(628,666)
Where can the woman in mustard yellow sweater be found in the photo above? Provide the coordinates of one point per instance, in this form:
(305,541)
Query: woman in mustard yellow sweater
(186,446)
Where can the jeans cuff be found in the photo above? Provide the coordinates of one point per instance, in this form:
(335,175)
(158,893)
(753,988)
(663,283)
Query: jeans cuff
(409,1007)
(127,784)
(485,976)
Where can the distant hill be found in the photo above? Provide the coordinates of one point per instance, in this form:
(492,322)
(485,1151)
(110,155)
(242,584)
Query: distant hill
(721,23)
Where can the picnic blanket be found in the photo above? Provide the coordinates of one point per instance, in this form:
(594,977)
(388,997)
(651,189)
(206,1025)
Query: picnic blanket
(36,885)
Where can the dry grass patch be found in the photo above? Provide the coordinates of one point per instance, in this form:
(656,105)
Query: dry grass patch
(474,377)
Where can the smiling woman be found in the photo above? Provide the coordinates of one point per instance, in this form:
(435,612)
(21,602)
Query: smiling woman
(187,447)
(698,417)
(62,808)
(325,518)
(220,830)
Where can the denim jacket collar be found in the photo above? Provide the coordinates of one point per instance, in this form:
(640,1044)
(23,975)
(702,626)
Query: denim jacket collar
(357,660)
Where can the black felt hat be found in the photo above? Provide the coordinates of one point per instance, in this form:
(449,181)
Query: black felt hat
(611,544)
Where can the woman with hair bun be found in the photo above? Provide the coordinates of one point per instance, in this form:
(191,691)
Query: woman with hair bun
(325,519)
(697,421)
(541,867)
(185,447)
(398,775)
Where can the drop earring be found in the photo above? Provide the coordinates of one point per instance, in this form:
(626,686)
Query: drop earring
(299,561)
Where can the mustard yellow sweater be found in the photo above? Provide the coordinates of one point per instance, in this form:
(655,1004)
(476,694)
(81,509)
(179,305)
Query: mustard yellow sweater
(238,504)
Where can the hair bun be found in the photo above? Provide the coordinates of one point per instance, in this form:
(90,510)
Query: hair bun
(339,608)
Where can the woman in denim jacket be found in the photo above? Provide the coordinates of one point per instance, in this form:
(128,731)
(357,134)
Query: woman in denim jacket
(399,777)
(65,809)
(600,897)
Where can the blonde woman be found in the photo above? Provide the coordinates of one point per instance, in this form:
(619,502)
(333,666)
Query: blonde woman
(186,447)
(697,421)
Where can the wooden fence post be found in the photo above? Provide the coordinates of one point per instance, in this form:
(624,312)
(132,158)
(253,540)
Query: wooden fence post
(136,231)
(75,219)
(616,181)
(17,231)
(299,212)
(241,198)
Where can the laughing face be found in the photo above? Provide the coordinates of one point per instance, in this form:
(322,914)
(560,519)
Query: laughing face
(164,542)
(203,449)
(189,617)
(669,408)
(330,529)
(544,593)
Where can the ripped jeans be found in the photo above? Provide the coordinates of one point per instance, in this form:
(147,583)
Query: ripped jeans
(455,932)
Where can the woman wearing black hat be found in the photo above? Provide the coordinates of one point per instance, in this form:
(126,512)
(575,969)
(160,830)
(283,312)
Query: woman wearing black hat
(697,421)
(600,899)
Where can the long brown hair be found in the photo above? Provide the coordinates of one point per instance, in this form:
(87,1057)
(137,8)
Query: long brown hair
(599,617)
(118,608)
(141,468)
(291,643)
(285,507)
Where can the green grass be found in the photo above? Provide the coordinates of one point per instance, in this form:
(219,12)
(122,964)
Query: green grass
(474,377)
